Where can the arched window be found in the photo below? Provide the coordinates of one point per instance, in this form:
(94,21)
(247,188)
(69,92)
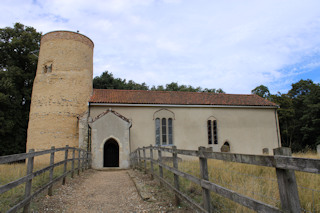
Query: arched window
(215,135)
(170,131)
(209,132)
(164,131)
(212,132)
(157,131)
(164,126)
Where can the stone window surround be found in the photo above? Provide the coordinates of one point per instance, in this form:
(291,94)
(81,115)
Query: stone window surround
(164,119)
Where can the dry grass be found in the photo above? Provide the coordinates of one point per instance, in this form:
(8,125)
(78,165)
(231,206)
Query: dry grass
(256,182)
(253,181)
(309,186)
(12,172)
(9,173)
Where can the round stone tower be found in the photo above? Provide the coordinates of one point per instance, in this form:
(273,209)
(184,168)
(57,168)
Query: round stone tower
(61,90)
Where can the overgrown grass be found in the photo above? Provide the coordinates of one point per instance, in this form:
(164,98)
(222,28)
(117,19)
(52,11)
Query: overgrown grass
(252,181)
(256,182)
(12,172)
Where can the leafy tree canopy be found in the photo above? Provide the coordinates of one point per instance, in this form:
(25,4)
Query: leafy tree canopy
(174,86)
(299,114)
(107,81)
(19,47)
(262,91)
(305,97)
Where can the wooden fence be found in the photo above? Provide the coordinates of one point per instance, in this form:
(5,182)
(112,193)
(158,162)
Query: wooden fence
(83,160)
(282,161)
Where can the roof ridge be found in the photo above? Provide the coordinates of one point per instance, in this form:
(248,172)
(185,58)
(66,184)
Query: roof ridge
(162,91)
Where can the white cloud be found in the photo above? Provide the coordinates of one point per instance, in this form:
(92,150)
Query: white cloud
(234,45)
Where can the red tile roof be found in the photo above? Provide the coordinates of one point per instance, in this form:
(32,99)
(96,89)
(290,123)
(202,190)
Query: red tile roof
(114,96)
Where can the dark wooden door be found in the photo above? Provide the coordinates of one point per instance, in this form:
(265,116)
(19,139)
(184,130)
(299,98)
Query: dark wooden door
(111,154)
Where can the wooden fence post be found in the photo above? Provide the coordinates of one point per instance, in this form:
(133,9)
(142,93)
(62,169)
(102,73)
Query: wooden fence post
(29,182)
(130,157)
(84,158)
(86,164)
(144,159)
(176,177)
(287,184)
(139,159)
(82,161)
(51,170)
(137,153)
(88,160)
(151,161)
(72,165)
(205,176)
(65,164)
(79,154)
(160,167)
(132,160)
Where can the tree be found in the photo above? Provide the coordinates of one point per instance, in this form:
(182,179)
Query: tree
(172,87)
(305,97)
(286,118)
(158,88)
(107,81)
(262,91)
(299,115)
(19,47)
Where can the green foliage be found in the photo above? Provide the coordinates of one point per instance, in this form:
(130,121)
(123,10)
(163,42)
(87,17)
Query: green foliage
(299,114)
(262,91)
(184,88)
(286,118)
(107,81)
(18,65)
(306,101)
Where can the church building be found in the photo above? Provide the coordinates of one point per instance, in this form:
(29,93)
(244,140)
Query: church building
(66,110)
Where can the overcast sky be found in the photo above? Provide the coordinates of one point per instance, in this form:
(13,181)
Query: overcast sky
(233,45)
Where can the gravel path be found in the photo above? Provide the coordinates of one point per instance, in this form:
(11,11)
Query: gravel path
(107,191)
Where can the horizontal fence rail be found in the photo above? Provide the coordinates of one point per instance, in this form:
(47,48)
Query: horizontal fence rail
(83,160)
(282,161)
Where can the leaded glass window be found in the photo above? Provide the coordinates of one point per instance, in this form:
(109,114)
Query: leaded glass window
(157,131)
(170,130)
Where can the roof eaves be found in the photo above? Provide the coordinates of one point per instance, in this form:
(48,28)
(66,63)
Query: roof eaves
(183,105)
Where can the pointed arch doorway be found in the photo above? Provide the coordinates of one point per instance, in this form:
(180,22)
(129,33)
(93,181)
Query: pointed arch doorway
(111,153)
